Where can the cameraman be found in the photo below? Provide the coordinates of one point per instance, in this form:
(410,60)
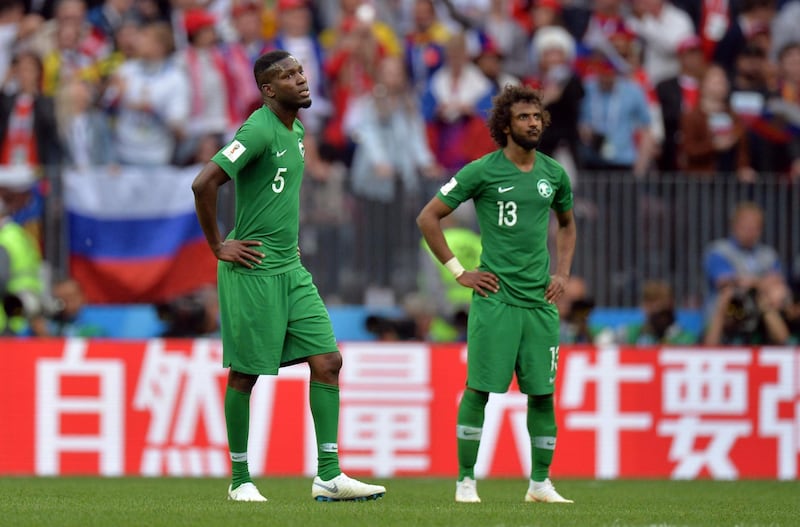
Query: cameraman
(20,260)
(750,316)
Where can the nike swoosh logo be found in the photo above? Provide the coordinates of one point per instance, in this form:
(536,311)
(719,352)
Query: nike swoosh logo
(469,433)
(552,379)
(280,153)
(330,488)
(503,190)
(551,443)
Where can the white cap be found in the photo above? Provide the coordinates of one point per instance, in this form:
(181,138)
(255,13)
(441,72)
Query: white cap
(554,37)
(18,178)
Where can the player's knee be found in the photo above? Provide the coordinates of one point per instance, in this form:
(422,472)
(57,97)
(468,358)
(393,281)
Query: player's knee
(325,368)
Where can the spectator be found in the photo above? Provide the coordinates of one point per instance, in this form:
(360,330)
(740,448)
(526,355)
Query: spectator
(27,118)
(489,60)
(71,13)
(107,16)
(350,68)
(390,162)
(574,309)
(754,18)
(21,289)
(562,93)
(424,45)
(750,316)
(740,261)
(713,137)
(68,59)
(84,129)
(660,325)
(784,105)
(69,320)
(661,26)
(212,91)
(509,38)
(295,35)
(150,97)
(614,123)
(11,17)
(791,313)
(451,103)
(784,28)
(677,96)
(606,16)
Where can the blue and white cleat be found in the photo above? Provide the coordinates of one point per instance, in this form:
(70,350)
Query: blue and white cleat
(345,488)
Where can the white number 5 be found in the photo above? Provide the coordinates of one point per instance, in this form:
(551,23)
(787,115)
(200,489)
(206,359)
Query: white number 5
(278,181)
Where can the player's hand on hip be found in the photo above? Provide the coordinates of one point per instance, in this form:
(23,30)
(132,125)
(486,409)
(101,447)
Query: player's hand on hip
(480,281)
(558,284)
(241,252)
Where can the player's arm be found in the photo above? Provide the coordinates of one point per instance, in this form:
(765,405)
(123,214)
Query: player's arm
(566,237)
(205,187)
(429,223)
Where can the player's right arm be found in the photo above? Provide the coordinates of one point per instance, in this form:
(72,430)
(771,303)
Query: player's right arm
(429,223)
(205,187)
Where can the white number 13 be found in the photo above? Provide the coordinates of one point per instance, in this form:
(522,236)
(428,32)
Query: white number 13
(507,213)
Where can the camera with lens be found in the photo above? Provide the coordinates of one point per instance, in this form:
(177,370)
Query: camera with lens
(743,309)
(28,304)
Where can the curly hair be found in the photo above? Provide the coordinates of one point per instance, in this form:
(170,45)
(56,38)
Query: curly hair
(500,114)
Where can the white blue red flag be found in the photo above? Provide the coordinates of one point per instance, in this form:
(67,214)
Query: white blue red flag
(133,234)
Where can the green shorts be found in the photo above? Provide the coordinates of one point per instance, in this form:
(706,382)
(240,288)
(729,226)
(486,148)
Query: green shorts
(271,321)
(503,339)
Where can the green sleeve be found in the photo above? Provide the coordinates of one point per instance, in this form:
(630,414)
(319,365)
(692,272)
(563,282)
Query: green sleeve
(250,142)
(563,199)
(461,187)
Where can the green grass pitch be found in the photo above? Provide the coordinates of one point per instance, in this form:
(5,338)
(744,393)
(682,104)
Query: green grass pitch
(200,502)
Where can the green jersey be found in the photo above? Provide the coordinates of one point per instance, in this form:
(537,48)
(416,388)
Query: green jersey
(266,161)
(513,209)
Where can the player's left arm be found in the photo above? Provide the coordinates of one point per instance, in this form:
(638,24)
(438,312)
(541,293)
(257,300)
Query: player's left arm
(566,237)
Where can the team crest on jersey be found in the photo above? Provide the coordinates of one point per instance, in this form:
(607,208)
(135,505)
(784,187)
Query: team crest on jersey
(301,147)
(233,151)
(544,188)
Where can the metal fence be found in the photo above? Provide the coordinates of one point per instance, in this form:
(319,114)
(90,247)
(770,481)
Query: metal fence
(629,231)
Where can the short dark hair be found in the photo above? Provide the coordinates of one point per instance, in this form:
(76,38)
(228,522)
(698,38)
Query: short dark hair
(500,114)
(266,61)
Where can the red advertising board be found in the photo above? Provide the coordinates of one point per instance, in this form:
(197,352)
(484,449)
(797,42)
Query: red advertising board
(156,408)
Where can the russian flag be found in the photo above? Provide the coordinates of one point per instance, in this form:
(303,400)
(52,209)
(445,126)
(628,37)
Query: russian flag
(133,234)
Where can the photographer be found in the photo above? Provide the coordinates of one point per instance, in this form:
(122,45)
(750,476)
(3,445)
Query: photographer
(750,316)
(20,259)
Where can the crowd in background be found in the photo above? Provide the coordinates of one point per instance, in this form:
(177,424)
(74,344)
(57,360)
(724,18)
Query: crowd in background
(401,89)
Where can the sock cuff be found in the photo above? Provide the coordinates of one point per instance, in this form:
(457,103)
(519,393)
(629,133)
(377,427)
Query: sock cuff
(323,386)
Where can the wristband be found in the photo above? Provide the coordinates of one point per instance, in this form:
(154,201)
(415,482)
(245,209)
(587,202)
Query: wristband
(455,267)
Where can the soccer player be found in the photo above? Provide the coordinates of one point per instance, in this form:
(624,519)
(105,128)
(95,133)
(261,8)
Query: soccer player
(513,324)
(271,313)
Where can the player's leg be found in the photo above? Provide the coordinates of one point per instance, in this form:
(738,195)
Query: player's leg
(237,421)
(310,338)
(536,371)
(251,346)
(492,337)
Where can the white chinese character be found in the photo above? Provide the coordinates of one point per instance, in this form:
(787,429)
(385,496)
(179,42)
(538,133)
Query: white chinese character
(385,416)
(715,455)
(52,406)
(786,391)
(515,405)
(705,381)
(608,420)
(180,391)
